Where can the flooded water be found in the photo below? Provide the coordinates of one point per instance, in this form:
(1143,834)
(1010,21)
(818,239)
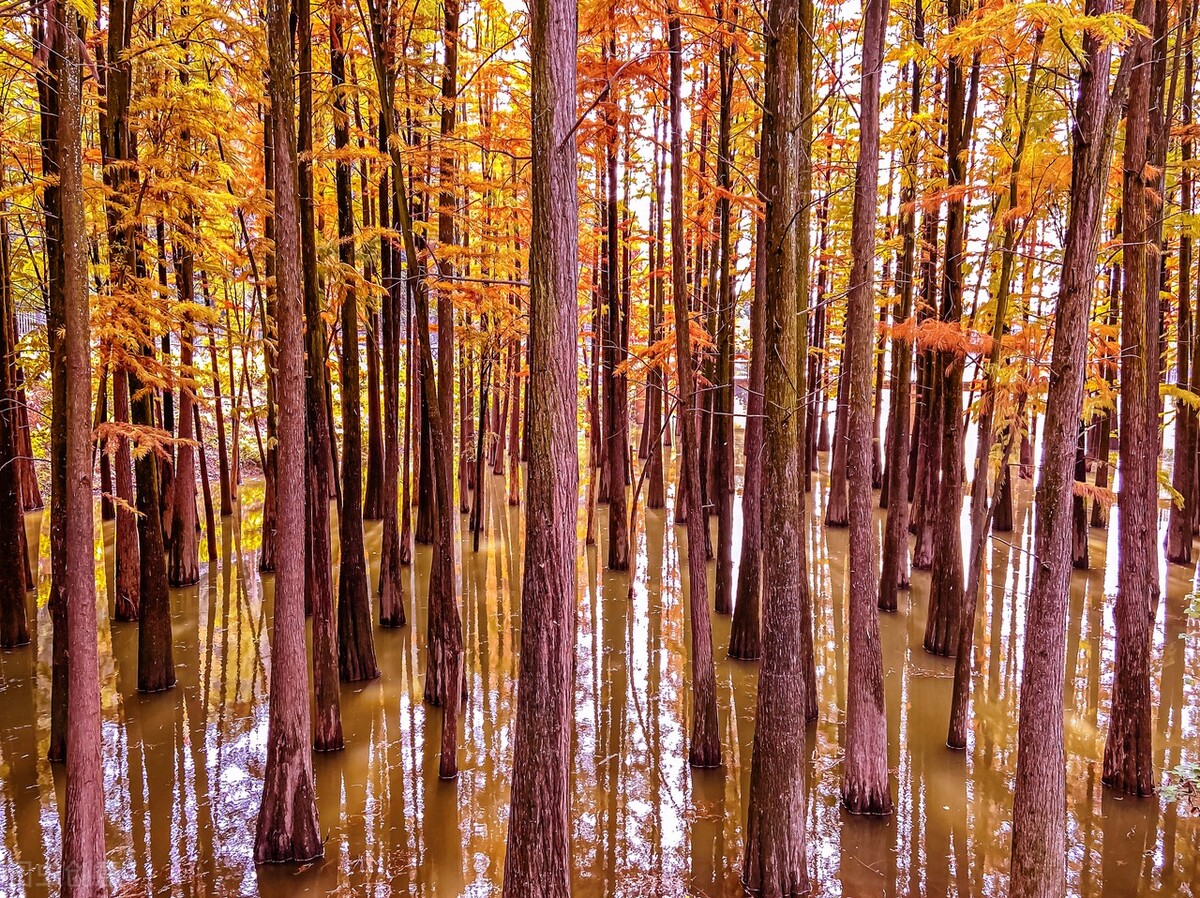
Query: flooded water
(183,769)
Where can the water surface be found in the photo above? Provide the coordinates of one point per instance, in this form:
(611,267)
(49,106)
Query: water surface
(183,769)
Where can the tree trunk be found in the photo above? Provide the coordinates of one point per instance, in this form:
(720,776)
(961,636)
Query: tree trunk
(776,860)
(48,100)
(356,639)
(982,513)
(318,580)
(705,743)
(1128,759)
(894,575)
(865,788)
(84,872)
(128,557)
(616,438)
(14,630)
(391,589)
(946,580)
(1039,850)
(837,512)
(373,492)
(723,436)
(538,861)
(745,639)
(1181,527)
(287,828)
(266,555)
(183,554)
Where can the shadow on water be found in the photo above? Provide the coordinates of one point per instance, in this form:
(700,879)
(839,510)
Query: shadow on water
(183,769)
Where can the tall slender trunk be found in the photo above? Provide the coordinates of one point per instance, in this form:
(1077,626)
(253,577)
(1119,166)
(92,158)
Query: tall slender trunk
(865,788)
(183,552)
(894,575)
(705,743)
(538,861)
(83,858)
(356,639)
(391,590)
(616,438)
(46,34)
(1181,528)
(266,554)
(983,512)
(1039,850)
(745,638)
(14,630)
(128,558)
(776,860)
(318,579)
(723,437)
(288,829)
(946,580)
(1128,758)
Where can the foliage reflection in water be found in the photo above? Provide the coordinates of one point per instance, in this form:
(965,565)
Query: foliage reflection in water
(183,769)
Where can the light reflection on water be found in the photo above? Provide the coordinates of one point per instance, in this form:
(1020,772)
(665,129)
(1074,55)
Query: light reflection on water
(183,769)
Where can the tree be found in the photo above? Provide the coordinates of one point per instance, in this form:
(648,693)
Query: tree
(84,871)
(865,787)
(318,579)
(1038,865)
(776,861)
(356,640)
(722,412)
(287,821)
(13,628)
(705,744)
(538,860)
(1128,761)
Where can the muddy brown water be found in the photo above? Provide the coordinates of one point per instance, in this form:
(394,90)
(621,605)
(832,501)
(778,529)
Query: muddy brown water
(183,769)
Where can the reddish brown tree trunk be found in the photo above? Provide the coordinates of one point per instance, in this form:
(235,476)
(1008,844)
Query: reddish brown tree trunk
(318,580)
(13,628)
(865,788)
(745,640)
(287,828)
(183,555)
(776,860)
(128,558)
(1039,851)
(391,589)
(84,871)
(1128,759)
(356,638)
(616,437)
(705,744)
(894,575)
(538,861)
(373,491)
(723,437)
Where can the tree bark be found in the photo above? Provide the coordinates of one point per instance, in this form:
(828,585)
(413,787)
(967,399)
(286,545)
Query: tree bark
(356,638)
(723,436)
(745,635)
(14,630)
(894,575)
(776,860)
(1039,851)
(705,744)
(1128,759)
(318,580)
(287,828)
(865,787)
(538,861)
(84,872)
(391,589)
